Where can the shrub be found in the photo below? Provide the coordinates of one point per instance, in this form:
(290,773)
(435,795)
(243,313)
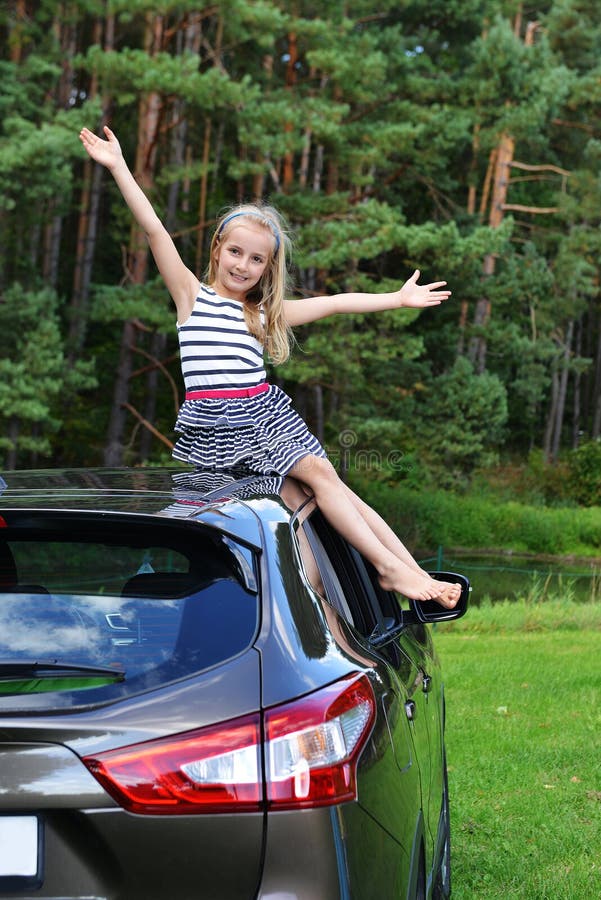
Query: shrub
(462,423)
(428,518)
(584,466)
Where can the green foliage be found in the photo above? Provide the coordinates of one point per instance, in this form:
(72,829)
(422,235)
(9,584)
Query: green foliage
(36,385)
(149,301)
(461,421)
(584,466)
(24,86)
(543,483)
(432,517)
(373,131)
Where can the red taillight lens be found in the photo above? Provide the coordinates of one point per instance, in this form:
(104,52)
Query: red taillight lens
(214,769)
(312,746)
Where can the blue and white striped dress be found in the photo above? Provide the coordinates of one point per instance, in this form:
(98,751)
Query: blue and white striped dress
(261,433)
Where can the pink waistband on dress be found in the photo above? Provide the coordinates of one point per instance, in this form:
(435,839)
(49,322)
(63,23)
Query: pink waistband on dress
(226,393)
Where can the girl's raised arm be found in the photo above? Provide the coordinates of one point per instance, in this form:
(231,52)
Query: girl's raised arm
(411,295)
(181,283)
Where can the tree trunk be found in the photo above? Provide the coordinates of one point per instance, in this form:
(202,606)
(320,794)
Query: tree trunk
(552,414)
(202,201)
(502,159)
(113,452)
(157,349)
(13,436)
(562,393)
(65,34)
(35,237)
(52,243)
(87,226)
(87,232)
(159,341)
(303,174)
(504,156)
(150,109)
(463,313)
(596,428)
(16,31)
(217,154)
(471,187)
(576,412)
(319,420)
(288,170)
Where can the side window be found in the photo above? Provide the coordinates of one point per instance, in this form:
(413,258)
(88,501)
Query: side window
(311,569)
(389,603)
(321,575)
(346,582)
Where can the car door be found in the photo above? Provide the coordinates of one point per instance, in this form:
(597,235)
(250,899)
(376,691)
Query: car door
(391,790)
(426,694)
(418,688)
(416,667)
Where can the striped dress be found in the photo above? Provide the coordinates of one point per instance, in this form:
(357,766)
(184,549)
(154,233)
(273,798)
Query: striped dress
(261,433)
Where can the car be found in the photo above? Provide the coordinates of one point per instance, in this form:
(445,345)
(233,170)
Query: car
(205,693)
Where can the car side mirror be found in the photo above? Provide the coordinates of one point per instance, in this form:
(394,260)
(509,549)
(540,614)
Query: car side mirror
(429,611)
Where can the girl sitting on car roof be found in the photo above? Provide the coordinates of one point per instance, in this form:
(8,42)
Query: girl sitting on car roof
(232,417)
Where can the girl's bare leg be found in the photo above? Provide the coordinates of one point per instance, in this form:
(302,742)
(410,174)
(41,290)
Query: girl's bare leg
(395,572)
(387,536)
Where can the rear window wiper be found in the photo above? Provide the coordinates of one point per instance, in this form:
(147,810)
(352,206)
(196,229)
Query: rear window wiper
(32,676)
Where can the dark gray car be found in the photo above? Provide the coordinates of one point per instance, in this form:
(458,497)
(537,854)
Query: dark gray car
(204,693)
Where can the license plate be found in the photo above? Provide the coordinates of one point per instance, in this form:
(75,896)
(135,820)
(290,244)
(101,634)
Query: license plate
(19,848)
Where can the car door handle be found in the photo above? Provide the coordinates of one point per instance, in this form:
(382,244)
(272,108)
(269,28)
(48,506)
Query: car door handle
(410,710)
(426,683)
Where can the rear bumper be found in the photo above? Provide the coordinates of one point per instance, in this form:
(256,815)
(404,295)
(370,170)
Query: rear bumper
(303,859)
(114,855)
(334,853)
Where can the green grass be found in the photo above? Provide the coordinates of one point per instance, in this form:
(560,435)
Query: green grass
(523,726)
(527,615)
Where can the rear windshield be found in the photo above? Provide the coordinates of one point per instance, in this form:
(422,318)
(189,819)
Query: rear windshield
(90,612)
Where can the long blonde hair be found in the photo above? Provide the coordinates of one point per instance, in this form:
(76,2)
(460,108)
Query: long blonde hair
(269,294)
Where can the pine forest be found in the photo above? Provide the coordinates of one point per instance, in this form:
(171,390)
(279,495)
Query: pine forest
(459,137)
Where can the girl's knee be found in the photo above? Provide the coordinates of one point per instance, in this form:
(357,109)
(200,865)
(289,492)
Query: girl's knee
(314,469)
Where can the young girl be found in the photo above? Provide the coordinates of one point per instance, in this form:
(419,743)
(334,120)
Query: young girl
(232,416)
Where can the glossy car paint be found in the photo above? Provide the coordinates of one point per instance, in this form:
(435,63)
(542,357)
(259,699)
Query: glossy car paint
(369,848)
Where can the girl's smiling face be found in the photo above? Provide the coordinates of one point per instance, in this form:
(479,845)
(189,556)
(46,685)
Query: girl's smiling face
(241,258)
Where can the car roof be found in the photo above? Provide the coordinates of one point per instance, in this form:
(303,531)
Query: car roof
(228,501)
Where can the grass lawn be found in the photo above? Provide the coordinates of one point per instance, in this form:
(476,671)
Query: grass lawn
(524,755)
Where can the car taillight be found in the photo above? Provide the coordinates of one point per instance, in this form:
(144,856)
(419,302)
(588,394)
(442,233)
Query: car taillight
(214,769)
(312,746)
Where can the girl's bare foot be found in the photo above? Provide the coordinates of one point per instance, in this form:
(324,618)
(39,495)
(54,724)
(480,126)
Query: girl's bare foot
(419,586)
(448,594)
(409,582)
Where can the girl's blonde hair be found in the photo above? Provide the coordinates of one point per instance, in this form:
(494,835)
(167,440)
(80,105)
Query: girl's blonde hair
(268,295)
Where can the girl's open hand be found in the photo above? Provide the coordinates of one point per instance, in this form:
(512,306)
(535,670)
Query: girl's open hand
(417,295)
(107,153)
